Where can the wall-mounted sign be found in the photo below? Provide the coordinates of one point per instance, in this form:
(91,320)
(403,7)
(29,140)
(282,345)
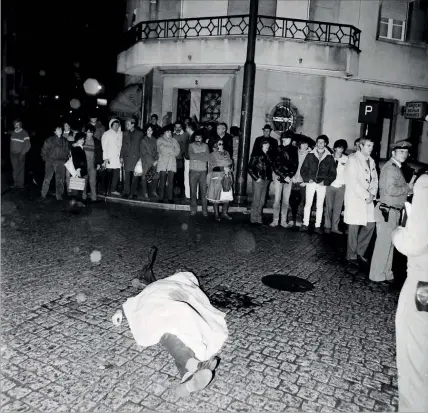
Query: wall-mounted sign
(369,112)
(284,117)
(416,110)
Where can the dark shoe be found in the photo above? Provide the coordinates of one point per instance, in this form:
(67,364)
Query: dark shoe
(210,364)
(352,263)
(303,228)
(59,198)
(318,230)
(194,382)
(217,217)
(146,197)
(125,196)
(155,195)
(327,230)
(204,213)
(336,231)
(134,197)
(362,259)
(192,213)
(226,216)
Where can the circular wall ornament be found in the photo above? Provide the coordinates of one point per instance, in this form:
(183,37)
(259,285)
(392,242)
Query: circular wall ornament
(283,117)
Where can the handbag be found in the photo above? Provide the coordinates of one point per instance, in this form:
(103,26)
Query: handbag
(226,195)
(77,184)
(69,165)
(138,170)
(227,182)
(150,174)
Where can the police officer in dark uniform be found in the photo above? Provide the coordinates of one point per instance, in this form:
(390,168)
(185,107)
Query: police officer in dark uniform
(393,190)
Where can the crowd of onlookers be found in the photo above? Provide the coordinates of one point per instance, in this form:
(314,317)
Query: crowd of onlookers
(195,161)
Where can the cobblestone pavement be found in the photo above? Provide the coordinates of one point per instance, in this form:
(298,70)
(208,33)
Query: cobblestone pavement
(331,349)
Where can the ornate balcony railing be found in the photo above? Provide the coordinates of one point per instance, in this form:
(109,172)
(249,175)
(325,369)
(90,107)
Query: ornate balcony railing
(279,27)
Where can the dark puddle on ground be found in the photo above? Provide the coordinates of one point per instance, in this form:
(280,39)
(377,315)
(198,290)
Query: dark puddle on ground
(229,300)
(288,283)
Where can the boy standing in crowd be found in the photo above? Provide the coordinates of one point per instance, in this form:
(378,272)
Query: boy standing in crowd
(199,155)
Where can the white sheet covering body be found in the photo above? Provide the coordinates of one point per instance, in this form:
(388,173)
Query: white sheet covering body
(177,305)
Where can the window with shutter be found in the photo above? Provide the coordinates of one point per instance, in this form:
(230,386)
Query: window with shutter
(393,19)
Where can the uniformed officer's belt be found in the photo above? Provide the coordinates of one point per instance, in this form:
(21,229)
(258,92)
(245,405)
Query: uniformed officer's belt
(384,209)
(390,207)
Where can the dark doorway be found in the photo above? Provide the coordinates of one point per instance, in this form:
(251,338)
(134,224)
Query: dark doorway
(382,130)
(183,104)
(414,137)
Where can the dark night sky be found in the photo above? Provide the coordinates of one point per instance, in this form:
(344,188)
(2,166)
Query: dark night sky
(52,35)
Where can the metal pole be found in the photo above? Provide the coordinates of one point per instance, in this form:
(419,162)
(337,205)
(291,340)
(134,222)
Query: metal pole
(247,106)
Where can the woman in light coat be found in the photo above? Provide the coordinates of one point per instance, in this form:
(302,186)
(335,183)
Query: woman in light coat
(168,150)
(412,322)
(111,142)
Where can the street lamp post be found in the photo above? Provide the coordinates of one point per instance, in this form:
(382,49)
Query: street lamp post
(247,106)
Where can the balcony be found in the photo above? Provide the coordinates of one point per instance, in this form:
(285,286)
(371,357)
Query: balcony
(215,42)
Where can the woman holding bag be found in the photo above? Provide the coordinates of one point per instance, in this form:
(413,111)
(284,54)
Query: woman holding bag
(220,180)
(78,182)
(149,157)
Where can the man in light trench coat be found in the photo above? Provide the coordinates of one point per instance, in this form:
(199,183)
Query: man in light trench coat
(393,192)
(361,184)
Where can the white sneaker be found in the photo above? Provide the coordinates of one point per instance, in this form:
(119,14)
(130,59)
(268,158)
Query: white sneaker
(194,382)
(273,224)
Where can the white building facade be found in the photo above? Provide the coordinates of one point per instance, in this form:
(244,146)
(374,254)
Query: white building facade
(317,60)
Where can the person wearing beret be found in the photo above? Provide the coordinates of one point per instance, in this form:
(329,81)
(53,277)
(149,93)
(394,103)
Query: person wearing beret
(393,193)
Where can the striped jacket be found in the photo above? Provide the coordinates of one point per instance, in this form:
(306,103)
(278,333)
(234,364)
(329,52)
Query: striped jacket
(19,142)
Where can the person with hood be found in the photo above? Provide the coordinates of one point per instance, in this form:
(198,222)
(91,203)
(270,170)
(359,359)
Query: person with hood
(318,171)
(55,152)
(285,167)
(111,142)
(99,127)
(149,158)
(19,147)
(168,149)
(130,154)
(411,320)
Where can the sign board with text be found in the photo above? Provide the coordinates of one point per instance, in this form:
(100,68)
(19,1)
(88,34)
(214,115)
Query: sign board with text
(369,112)
(416,110)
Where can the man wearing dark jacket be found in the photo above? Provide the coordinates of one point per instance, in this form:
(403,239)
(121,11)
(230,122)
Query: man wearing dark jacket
(130,154)
(285,167)
(318,171)
(55,153)
(273,143)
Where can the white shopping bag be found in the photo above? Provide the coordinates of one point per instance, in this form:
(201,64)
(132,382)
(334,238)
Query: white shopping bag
(226,196)
(70,167)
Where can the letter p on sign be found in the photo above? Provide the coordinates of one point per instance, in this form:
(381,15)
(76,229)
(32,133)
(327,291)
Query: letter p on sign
(369,112)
